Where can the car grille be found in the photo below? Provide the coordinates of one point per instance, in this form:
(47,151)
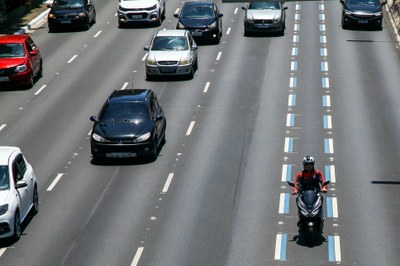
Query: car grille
(167,63)
(263,21)
(121,141)
(6,71)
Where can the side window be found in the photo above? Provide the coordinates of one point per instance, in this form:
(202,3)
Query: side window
(15,172)
(21,165)
(28,46)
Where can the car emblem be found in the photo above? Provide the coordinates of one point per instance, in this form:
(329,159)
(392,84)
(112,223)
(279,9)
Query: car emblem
(120,141)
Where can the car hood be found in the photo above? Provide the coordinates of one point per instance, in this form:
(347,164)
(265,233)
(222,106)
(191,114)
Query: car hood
(11,62)
(4,196)
(263,14)
(363,8)
(169,55)
(196,22)
(138,3)
(116,130)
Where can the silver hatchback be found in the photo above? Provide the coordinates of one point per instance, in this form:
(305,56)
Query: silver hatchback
(171,53)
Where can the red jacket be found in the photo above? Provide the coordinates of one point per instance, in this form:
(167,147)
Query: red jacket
(314,179)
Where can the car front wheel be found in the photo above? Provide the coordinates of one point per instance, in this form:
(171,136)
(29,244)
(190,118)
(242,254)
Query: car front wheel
(17,227)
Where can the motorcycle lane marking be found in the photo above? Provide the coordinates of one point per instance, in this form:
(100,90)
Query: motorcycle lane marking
(334,248)
(286,172)
(280,246)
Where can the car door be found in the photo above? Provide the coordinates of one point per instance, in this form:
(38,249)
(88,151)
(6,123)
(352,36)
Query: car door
(158,116)
(89,5)
(23,193)
(193,47)
(34,55)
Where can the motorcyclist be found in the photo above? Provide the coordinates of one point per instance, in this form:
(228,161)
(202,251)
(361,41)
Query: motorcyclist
(309,177)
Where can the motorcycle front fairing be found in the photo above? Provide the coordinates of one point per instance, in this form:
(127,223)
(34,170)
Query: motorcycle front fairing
(309,203)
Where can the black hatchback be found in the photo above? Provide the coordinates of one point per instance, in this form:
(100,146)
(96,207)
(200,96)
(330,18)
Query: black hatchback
(130,124)
(202,19)
(362,13)
(71,13)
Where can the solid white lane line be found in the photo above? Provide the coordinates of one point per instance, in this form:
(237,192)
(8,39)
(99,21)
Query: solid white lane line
(2,126)
(72,59)
(167,183)
(97,34)
(189,131)
(282,203)
(124,86)
(338,254)
(40,90)
(219,55)
(335,212)
(228,31)
(138,254)
(236,10)
(206,87)
(55,181)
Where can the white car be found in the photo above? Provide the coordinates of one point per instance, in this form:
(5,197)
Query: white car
(171,53)
(18,191)
(140,11)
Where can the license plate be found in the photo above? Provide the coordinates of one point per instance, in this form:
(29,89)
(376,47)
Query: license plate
(121,155)
(197,33)
(363,21)
(4,79)
(168,70)
(136,17)
(65,21)
(263,26)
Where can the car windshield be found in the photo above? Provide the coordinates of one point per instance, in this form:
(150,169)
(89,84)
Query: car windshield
(264,5)
(364,2)
(198,11)
(176,43)
(68,3)
(4,178)
(12,50)
(125,112)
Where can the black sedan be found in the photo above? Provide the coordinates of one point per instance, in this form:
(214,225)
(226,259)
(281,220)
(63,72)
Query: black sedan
(362,13)
(130,124)
(71,14)
(202,19)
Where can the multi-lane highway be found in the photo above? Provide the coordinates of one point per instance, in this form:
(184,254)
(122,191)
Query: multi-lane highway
(217,193)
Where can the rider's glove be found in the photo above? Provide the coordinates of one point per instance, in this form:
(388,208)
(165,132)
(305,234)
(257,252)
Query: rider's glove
(324,190)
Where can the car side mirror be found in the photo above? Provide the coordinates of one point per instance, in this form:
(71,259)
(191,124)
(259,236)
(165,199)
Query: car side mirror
(220,15)
(21,184)
(176,15)
(93,118)
(384,3)
(159,117)
(49,6)
(33,53)
(194,48)
(342,2)
(285,8)
(146,48)
(244,8)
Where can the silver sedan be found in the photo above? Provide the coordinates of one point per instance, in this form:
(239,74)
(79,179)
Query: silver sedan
(264,16)
(171,53)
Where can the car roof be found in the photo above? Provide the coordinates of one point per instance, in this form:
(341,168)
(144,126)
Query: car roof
(171,33)
(132,95)
(16,38)
(6,152)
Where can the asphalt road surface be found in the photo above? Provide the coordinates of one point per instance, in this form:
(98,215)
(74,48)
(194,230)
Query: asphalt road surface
(217,193)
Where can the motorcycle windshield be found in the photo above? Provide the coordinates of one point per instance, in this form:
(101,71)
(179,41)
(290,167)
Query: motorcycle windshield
(309,197)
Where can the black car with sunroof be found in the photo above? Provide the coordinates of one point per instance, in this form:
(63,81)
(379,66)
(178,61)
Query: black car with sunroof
(130,124)
(203,19)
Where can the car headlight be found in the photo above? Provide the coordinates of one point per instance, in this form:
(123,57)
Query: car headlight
(82,14)
(99,138)
(51,16)
(151,61)
(143,137)
(212,26)
(276,20)
(180,26)
(20,68)
(184,61)
(349,13)
(3,209)
(249,20)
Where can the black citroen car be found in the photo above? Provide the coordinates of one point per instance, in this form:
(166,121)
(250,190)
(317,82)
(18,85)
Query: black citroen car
(71,14)
(202,19)
(130,124)
(362,13)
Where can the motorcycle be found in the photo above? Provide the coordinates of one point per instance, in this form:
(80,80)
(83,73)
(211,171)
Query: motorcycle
(309,203)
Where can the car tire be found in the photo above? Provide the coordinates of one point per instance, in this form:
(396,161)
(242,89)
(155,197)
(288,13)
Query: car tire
(246,33)
(35,202)
(17,227)
(159,20)
(154,152)
(94,18)
(40,73)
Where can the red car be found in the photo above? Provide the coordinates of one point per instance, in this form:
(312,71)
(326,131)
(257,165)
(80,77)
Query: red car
(20,61)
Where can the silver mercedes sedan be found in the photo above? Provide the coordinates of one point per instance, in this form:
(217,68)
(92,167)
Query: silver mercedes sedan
(264,16)
(171,53)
